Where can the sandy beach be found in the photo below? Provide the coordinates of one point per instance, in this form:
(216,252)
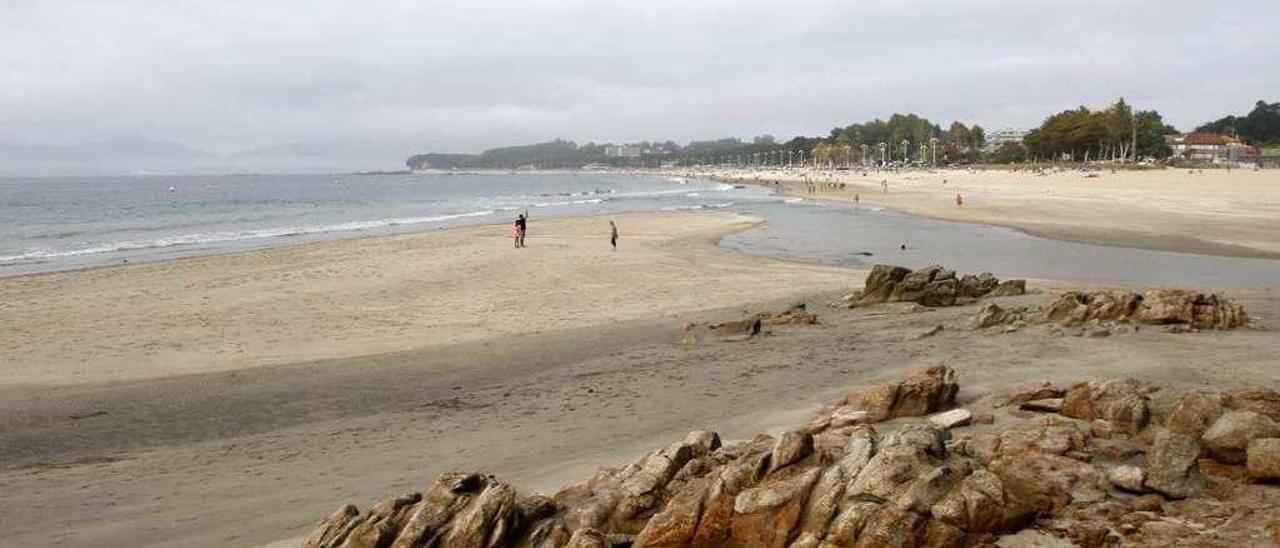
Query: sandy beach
(1216,212)
(234,399)
(375,295)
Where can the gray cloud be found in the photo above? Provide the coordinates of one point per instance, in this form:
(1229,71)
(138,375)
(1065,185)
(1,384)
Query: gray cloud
(398,76)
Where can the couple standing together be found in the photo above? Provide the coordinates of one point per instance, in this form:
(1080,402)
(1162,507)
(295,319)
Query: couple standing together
(521,227)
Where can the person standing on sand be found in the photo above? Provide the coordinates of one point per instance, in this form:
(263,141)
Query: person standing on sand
(613,235)
(959,200)
(521,226)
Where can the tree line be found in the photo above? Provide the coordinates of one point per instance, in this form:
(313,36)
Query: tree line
(1116,133)
(1260,127)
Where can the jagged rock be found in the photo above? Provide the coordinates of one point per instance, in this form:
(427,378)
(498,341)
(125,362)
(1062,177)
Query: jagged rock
(1263,461)
(1194,413)
(1045,391)
(1010,288)
(952,418)
(791,447)
(1041,482)
(1122,402)
(848,416)
(1075,308)
(333,530)
(1156,307)
(1229,436)
(1127,477)
(588,538)
(1047,405)
(1169,463)
(846,486)
(797,315)
(924,392)
(1264,402)
(765,515)
(977,286)
(1164,306)
(1101,428)
(931,286)
(1054,437)
(978,504)
(993,314)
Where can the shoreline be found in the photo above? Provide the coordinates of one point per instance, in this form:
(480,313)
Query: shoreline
(249,455)
(363,296)
(1073,225)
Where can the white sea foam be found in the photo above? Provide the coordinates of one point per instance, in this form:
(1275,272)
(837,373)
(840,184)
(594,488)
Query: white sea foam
(570,202)
(699,207)
(226,236)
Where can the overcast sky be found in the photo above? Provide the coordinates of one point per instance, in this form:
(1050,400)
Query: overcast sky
(462,76)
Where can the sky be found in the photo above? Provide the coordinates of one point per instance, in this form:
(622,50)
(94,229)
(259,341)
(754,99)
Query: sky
(384,79)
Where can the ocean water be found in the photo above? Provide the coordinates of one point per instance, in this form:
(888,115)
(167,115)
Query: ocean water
(59,223)
(49,224)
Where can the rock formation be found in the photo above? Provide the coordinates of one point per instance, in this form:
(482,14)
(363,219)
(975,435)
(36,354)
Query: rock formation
(923,474)
(798,314)
(746,328)
(1100,312)
(930,286)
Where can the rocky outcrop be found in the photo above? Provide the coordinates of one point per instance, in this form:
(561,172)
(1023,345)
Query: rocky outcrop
(920,476)
(746,328)
(1156,307)
(1229,436)
(798,314)
(731,331)
(930,286)
(927,391)
(1100,313)
(1264,459)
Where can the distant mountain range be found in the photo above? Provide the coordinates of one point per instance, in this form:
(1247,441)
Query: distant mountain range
(148,156)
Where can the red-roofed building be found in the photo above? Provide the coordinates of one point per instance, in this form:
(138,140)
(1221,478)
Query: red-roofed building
(1206,147)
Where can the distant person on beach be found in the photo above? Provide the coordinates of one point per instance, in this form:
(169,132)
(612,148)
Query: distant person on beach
(613,235)
(959,200)
(855,197)
(522,226)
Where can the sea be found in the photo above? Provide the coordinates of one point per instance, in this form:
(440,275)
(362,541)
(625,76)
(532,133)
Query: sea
(53,224)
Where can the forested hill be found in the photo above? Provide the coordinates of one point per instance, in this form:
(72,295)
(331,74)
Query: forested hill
(1260,127)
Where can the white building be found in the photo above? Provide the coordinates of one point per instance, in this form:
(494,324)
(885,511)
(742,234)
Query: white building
(1002,136)
(622,151)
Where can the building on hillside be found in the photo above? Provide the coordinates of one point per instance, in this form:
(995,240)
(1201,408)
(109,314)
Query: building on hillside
(623,151)
(1213,148)
(1002,136)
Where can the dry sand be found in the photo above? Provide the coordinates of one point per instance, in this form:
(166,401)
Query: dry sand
(375,295)
(226,408)
(1219,212)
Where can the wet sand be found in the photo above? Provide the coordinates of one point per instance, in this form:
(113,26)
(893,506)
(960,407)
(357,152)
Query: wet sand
(1217,212)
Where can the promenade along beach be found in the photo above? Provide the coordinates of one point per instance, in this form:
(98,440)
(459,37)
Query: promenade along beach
(169,380)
